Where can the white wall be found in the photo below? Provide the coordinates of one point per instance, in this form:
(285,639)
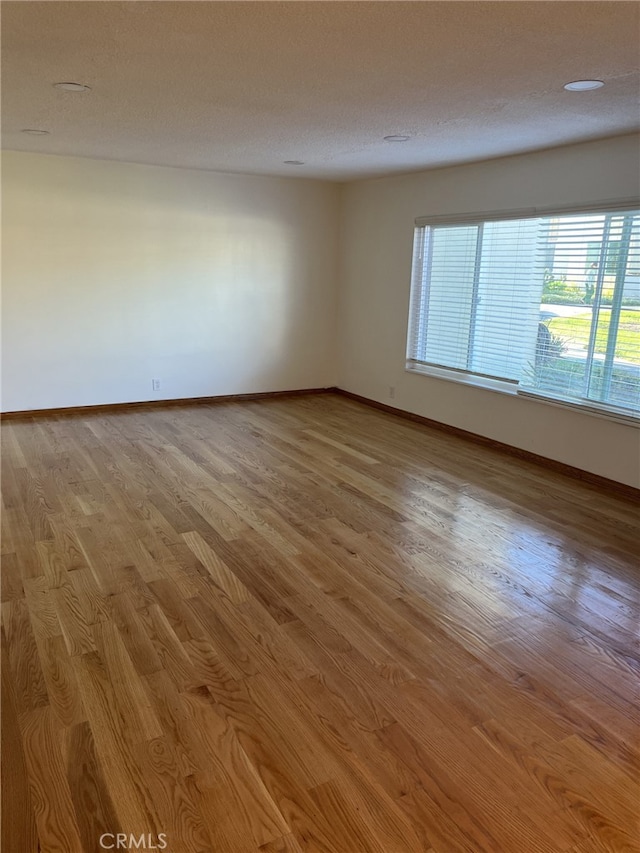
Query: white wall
(376,248)
(114,274)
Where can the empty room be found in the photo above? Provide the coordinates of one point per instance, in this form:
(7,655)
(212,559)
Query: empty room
(320,404)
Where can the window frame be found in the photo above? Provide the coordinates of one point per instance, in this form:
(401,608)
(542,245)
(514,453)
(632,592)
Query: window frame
(506,386)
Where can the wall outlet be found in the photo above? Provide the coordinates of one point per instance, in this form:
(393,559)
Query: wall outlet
(392,391)
(155,384)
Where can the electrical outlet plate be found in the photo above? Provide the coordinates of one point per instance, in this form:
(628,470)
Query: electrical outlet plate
(155,384)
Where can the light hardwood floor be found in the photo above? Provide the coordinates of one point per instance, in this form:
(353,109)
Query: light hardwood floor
(306,625)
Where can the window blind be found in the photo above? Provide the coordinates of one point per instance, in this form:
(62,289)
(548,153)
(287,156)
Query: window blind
(550,303)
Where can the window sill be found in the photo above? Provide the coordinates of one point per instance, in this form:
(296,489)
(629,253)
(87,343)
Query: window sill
(463,378)
(513,390)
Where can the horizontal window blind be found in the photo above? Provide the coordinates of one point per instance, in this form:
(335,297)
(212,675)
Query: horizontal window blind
(550,303)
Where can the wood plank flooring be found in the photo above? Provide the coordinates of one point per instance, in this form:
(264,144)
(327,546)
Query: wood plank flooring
(307,625)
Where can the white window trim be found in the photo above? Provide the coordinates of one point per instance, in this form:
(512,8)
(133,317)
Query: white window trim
(477,217)
(512,389)
(500,386)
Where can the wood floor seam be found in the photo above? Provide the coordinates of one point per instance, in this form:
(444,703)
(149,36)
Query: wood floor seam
(305,625)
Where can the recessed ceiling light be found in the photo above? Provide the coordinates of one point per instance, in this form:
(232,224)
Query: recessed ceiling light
(396,138)
(32,131)
(293,162)
(583,85)
(72,87)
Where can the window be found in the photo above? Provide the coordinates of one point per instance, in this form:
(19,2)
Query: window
(547,305)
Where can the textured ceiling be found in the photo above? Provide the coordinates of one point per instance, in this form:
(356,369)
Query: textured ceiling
(243,86)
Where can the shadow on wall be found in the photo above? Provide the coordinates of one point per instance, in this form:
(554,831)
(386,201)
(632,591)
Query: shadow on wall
(216,289)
